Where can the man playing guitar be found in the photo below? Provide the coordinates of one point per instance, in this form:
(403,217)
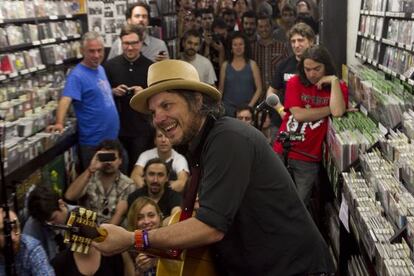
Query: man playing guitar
(249,209)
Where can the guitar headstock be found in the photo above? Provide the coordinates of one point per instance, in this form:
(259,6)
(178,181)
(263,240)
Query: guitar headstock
(82,230)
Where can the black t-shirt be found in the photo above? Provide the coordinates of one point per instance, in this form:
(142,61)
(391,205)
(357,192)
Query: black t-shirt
(168,200)
(64,265)
(121,71)
(247,193)
(284,70)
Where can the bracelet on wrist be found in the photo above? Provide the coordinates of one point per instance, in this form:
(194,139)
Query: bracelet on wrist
(141,239)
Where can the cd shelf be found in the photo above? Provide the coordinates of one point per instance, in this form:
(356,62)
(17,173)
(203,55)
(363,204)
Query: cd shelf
(386,37)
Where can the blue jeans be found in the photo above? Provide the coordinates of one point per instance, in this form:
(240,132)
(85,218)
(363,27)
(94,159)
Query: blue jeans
(304,175)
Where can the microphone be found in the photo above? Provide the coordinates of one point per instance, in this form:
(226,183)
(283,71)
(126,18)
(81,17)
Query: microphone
(271,101)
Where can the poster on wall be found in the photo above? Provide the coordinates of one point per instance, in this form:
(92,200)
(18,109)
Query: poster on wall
(107,17)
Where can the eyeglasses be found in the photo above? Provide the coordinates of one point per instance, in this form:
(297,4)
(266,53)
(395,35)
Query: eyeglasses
(130,43)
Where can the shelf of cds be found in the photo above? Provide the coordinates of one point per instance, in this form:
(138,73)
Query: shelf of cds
(386,37)
(35,35)
(39,41)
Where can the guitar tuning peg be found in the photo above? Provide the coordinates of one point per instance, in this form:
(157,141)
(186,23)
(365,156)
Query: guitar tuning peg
(79,249)
(73,247)
(82,211)
(86,249)
(88,214)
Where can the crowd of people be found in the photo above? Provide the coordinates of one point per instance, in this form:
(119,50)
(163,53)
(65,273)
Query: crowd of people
(148,123)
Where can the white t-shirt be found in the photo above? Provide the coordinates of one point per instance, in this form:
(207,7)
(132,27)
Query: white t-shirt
(179,162)
(204,68)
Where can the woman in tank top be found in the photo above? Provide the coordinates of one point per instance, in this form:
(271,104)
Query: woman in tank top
(240,81)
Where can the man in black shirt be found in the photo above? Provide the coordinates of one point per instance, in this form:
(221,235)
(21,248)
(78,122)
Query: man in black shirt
(249,210)
(301,37)
(127,73)
(156,178)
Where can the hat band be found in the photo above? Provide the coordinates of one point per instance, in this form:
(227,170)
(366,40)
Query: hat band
(161,81)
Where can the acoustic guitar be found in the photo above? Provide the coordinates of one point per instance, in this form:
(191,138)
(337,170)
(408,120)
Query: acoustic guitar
(192,262)
(81,229)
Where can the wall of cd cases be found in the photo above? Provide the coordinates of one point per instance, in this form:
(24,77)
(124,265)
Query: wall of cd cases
(39,41)
(386,37)
(37,34)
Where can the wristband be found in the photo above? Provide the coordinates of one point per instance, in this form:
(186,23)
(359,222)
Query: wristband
(141,239)
(280,109)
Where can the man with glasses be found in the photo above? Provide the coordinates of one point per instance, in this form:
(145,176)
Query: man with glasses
(152,47)
(127,73)
(29,256)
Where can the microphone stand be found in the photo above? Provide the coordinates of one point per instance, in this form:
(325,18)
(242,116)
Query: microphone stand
(288,147)
(7,223)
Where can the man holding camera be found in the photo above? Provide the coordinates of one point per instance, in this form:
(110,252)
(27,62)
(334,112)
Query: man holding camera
(127,73)
(102,187)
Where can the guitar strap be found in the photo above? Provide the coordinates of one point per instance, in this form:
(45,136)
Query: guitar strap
(190,194)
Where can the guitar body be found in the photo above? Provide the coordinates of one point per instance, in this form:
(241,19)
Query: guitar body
(194,262)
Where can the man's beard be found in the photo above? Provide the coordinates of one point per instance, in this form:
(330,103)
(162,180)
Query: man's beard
(190,52)
(192,130)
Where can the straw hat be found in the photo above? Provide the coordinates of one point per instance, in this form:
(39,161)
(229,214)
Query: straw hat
(168,75)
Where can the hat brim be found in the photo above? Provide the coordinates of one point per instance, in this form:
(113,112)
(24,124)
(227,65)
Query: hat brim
(139,101)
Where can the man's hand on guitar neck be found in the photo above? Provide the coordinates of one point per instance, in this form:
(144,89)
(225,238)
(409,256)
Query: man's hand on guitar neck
(118,240)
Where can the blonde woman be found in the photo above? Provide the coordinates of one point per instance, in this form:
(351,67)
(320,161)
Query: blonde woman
(144,214)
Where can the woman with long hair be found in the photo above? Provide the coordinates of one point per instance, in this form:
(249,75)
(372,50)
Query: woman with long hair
(240,81)
(144,214)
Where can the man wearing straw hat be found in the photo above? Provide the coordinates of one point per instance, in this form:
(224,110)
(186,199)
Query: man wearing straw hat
(249,210)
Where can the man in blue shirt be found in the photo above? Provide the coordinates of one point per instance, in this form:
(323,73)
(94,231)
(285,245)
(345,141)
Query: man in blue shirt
(87,87)
(29,258)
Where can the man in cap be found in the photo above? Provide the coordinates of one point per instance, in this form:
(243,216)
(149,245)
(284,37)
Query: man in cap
(248,207)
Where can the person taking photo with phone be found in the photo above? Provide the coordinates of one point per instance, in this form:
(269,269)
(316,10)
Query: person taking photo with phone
(102,187)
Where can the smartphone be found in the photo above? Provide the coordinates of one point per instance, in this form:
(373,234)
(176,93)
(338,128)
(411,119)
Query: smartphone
(106,156)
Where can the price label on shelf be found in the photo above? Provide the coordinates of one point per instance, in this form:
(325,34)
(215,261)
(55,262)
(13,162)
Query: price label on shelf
(375,63)
(401,45)
(411,82)
(344,213)
(14,74)
(381,67)
(369,60)
(393,74)
(64,38)
(33,69)
(44,41)
(58,62)
(69,15)
(1,21)
(363,110)
(53,17)
(382,129)
(35,43)
(76,36)
(41,67)
(2,77)
(403,78)
(52,40)
(24,71)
